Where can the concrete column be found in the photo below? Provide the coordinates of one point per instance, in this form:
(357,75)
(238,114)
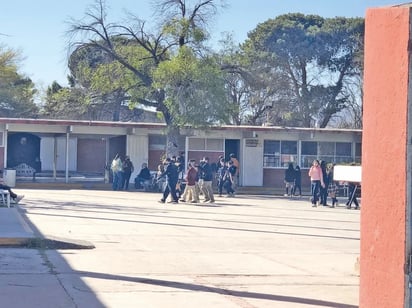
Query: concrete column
(385,214)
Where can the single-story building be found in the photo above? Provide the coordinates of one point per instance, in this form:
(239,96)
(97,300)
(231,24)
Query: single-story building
(63,146)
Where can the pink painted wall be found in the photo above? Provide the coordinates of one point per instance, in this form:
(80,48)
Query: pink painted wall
(383,214)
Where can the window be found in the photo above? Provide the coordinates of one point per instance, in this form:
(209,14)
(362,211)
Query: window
(358,152)
(196,144)
(326,151)
(157,142)
(343,152)
(279,153)
(309,153)
(334,152)
(203,144)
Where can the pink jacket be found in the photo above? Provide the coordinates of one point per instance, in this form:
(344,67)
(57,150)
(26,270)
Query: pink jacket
(316,174)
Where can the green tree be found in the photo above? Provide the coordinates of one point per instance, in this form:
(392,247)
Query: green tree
(317,57)
(255,89)
(17,92)
(147,65)
(65,103)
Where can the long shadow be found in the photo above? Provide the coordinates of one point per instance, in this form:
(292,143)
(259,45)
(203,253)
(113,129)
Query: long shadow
(223,291)
(140,214)
(65,204)
(202,227)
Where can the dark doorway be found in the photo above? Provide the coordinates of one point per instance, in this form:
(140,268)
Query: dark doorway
(23,148)
(232,146)
(91,155)
(117,145)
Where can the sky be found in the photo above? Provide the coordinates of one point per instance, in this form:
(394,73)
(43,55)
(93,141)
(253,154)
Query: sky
(37,28)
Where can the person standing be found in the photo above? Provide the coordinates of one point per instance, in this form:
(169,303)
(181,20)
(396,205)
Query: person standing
(128,168)
(298,181)
(237,165)
(117,169)
(290,176)
(229,179)
(206,177)
(316,182)
(171,175)
(221,174)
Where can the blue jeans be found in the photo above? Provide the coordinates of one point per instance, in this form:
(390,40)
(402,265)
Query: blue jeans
(117,180)
(315,190)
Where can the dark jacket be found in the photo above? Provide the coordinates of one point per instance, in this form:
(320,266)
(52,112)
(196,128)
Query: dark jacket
(206,173)
(290,174)
(171,173)
(144,174)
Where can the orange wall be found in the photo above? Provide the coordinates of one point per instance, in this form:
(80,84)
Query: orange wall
(383,215)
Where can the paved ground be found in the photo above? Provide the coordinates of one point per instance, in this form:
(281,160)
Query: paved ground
(248,251)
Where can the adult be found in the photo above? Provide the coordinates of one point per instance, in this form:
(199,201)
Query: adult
(230,179)
(15,197)
(324,188)
(298,181)
(236,164)
(332,187)
(352,187)
(316,182)
(221,175)
(290,176)
(128,168)
(117,169)
(205,180)
(171,175)
(143,178)
(190,194)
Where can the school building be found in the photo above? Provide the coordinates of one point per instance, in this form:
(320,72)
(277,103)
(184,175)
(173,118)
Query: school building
(36,146)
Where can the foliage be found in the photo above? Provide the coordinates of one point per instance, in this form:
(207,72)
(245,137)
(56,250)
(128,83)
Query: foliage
(65,103)
(315,57)
(16,91)
(194,89)
(130,58)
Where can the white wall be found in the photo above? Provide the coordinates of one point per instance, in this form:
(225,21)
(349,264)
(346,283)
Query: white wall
(47,153)
(137,147)
(251,167)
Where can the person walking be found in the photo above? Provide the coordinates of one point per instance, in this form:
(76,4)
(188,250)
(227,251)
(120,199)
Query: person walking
(190,194)
(332,186)
(171,175)
(324,188)
(316,182)
(352,188)
(205,180)
(128,168)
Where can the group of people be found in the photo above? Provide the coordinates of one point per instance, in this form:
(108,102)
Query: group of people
(122,169)
(198,179)
(323,185)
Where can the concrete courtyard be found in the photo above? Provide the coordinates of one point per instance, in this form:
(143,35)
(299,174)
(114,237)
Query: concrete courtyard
(249,251)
